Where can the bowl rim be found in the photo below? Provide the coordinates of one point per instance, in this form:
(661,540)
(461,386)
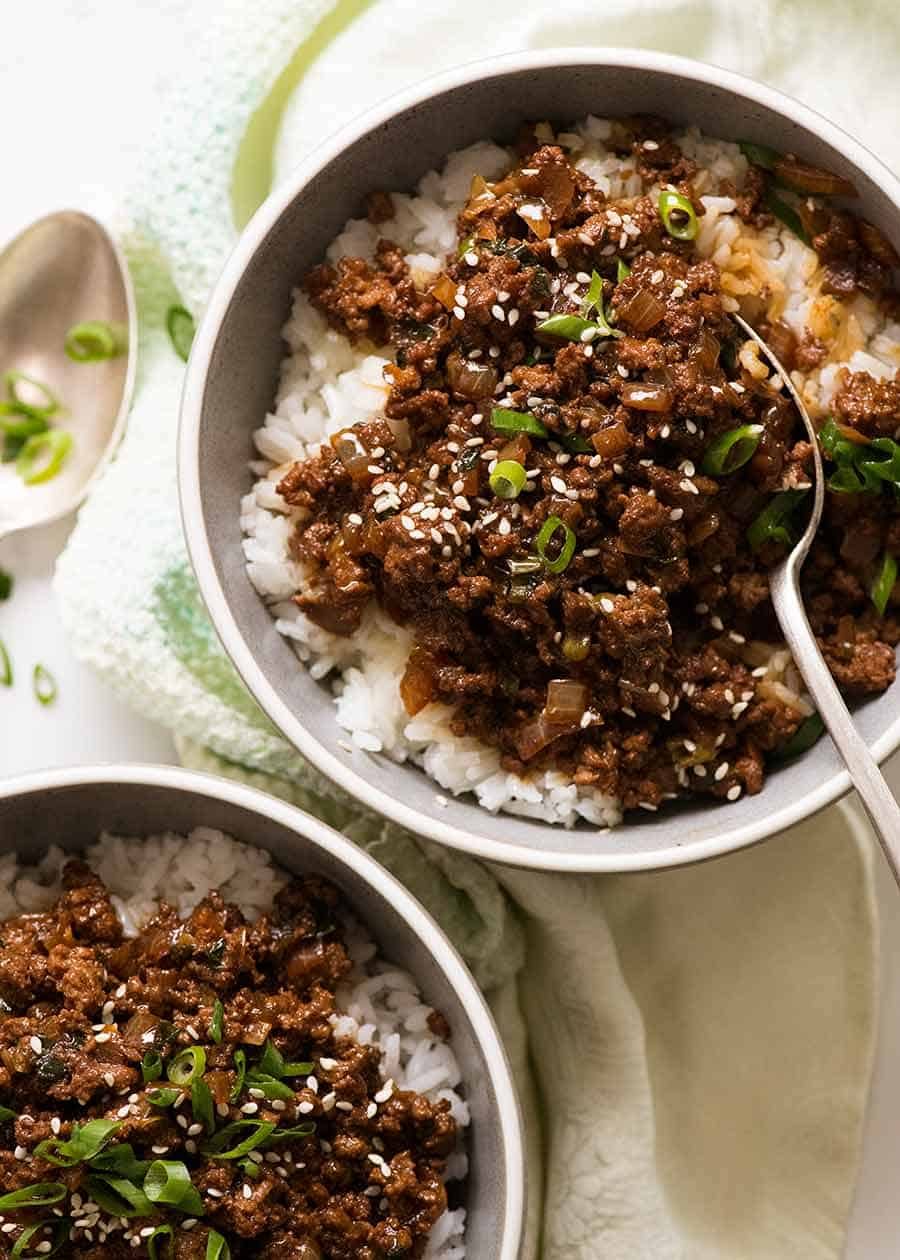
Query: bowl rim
(505,852)
(426,928)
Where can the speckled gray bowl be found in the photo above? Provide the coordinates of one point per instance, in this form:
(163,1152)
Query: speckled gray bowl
(231,383)
(71,807)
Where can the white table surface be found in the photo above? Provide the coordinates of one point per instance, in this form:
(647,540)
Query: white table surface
(74,133)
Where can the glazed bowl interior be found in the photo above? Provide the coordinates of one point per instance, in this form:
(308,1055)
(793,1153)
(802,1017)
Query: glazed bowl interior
(232,379)
(71,808)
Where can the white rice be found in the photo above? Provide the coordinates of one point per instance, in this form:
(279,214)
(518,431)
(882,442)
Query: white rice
(381,1003)
(326,385)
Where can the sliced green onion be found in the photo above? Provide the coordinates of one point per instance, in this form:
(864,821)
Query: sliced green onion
(296,1069)
(464,246)
(169,1182)
(876,472)
(180,327)
(14,424)
(759,154)
(187,1065)
(809,732)
(787,214)
(42,1249)
(506,421)
(272,1063)
(94,341)
(678,215)
(43,684)
(298,1131)
(258,1131)
(570,328)
(269,1086)
(574,443)
(119,1196)
(41,1194)
(43,455)
(38,401)
(216,1246)
(202,1105)
(249,1168)
(884,583)
(217,1022)
(121,1160)
(87,1140)
(773,522)
(622,270)
(576,648)
(594,295)
(6,585)
(731,450)
(6,1114)
(507,479)
(163,1097)
(240,1067)
(6,669)
(151,1066)
(548,531)
(161,1231)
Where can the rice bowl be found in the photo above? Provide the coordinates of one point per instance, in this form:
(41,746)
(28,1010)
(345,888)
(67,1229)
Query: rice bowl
(329,384)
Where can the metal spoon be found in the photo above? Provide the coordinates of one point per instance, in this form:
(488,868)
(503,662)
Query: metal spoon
(61,271)
(784,585)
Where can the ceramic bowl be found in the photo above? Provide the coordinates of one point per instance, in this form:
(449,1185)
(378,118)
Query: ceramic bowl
(231,384)
(71,807)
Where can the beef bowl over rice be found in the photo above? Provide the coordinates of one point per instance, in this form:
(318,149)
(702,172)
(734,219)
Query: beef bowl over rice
(203,1056)
(524,476)
(372,349)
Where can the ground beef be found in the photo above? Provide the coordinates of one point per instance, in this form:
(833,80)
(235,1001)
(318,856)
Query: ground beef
(623,566)
(89,1025)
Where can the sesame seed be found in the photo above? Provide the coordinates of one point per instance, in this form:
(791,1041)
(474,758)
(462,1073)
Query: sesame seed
(344,1106)
(246,1191)
(658,276)
(513,316)
(589,334)
(503,296)
(558,484)
(735,637)
(650,145)
(676,514)
(688,486)
(471,258)
(222,1109)
(20,1152)
(690,426)
(159,1150)
(716,622)
(729,695)
(700,772)
(459,312)
(721,772)
(498,313)
(733,792)
(249,1109)
(607,605)
(36,1044)
(123,1112)
(462,503)
(194,1130)
(305,1108)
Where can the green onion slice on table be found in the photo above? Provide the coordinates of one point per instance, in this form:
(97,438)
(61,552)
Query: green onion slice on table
(181,329)
(43,684)
(6,669)
(678,215)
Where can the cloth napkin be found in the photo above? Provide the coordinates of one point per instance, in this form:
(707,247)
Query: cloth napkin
(693,1047)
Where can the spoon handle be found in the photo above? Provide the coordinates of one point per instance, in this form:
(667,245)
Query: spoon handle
(876,796)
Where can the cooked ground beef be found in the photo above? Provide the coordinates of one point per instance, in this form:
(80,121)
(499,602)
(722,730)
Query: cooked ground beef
(632,664)
(90,1025)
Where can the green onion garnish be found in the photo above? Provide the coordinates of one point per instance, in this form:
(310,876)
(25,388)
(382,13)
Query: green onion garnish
(121,1160)
(187,1065)
(248,1168)
(41,1194)
(240,1067)
(465,245)
(6,1113)
(202,1105)
(6,585)
(258,1131)
(21,426)
(787,214)
(548,531)
(43,1249)
(884,583)
(217,1022)
(151,1066)
(773,522)
(506,421)
(678,215)
(87,1140)
(594,295)
(32,398)
(861,467)
(731,450)
(622,270)
(180,327)
(759,154)
(94,341)
(507,479)
(216,1246)
(169,1182)
(161,1231)
(269,1086)
(43,455)
(298,1131)
(571,328)
(119,1196)
(272,1063)
(163,1097)
(6,669)
(43,684)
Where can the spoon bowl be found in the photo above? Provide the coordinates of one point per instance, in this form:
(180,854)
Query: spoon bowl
(64,270)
